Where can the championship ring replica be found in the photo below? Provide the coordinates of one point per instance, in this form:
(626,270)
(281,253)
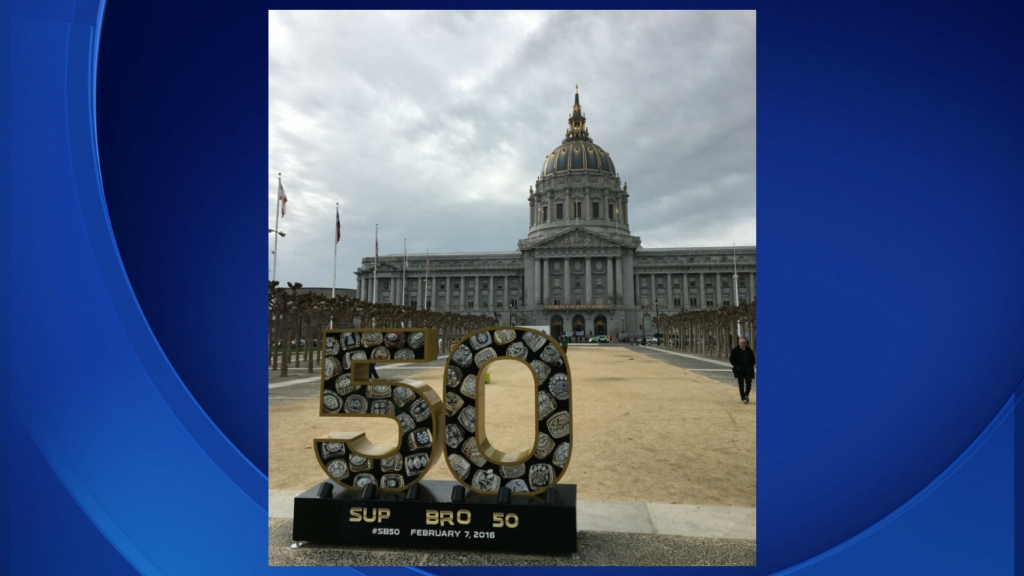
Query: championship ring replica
(375,496)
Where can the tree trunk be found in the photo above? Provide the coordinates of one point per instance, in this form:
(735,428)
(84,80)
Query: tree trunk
(285,346)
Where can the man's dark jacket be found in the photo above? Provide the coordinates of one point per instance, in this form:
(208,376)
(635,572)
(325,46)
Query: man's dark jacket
(742,362)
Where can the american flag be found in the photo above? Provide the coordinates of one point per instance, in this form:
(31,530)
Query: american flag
(281,196)
(337,225)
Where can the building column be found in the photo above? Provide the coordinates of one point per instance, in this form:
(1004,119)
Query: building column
(537,273)
(670,292)
(567,289)
(702,295)
(588,294)
(685,285)
(419,293)
(546,281)
(609,283)
(718,289)
(620,289)
(750,287)
(629,272)
(432,296)
(654,290)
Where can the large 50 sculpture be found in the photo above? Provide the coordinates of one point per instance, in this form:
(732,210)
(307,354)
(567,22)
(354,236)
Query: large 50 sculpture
(458,425)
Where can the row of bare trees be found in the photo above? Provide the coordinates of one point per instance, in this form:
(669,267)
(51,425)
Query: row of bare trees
(295,316)
(709,332)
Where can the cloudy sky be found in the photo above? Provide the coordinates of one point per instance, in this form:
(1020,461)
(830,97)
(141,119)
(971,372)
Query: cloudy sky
(435,125)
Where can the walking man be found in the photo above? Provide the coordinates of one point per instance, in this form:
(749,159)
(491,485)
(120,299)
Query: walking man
(742,360)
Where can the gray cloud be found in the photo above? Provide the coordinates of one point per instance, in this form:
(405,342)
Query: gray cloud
(435,125)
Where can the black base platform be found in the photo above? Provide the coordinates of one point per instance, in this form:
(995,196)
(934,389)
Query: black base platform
(528,524)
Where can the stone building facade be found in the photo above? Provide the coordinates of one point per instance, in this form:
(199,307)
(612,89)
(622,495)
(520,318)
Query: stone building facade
(578,270)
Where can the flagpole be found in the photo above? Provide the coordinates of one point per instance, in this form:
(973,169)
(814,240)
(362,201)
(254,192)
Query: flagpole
(736,291)
(334,280)
(405,264)
(277,219)
(376,256)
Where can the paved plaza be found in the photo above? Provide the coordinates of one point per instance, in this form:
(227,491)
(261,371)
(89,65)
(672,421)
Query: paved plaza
(642,523)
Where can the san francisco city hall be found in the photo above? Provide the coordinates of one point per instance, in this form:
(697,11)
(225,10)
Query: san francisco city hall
(578,270)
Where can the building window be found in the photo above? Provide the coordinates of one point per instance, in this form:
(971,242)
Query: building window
(484,283)
(676,302)
(513,303)
(544,215)
(385,299)
(644,300)
(469,304)
(711,303)
(693,283)
(579,301)
(693,301)
(596,210)
(558,302)
(497,304)
(675,282)
(578,282)
(577,209)
(743,299)
(661,283)
(455,285)
(599,282)
(412,303)
(559,214)
(611,212)
(483,302)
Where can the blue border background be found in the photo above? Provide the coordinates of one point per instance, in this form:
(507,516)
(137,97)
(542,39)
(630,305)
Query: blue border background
(891,194)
